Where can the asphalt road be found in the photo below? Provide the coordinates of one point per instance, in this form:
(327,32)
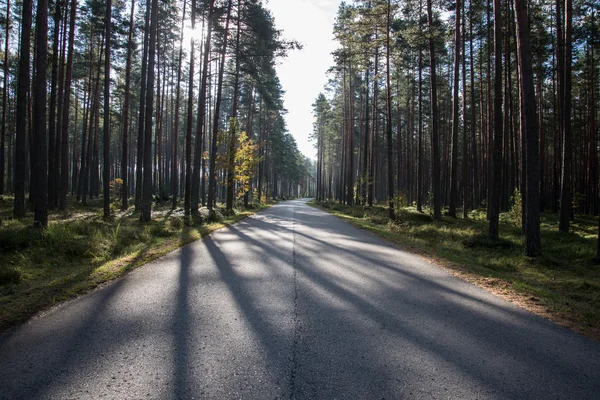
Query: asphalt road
(294,303)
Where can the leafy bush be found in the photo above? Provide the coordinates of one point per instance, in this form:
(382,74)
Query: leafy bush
(515,215)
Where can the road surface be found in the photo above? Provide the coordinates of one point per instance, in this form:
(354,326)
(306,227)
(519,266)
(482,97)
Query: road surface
(294,303)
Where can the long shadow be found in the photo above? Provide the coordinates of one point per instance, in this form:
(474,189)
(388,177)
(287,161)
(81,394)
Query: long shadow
(475,323)
(64,347)
(273,337)
(180,325)
(488,331)
(317,247)
(57,351)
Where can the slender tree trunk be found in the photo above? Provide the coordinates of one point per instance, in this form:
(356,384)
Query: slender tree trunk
(475,192)
(141,147)
(4,98)
(455,121)
(22,107)
(496,181)
(146,214)
(390,164)
(59,112)
(40,149)
(212,182)
(125,147)
(533,245)
(106,149)
(233,126)
(187,200)
(435,141)
(175,139)
(566,207)
(195,197)
(365,175)
(64,177)
(420,137)
(52,161)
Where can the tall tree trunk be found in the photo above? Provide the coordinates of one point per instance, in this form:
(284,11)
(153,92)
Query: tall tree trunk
(496,181)
(40,149)
(212,182)
(465,145)
(455,121)
(390,164)
(4,98)
(233,126)
(475,192)
(365,174)
(22,109)
(175,139)
(435,140)
(146,214)
(566,208)
(141,147)
(195,198)
(52,161)
(187,196)
(64,177)
(58,156)
(533,245)
(371,179)
(125,147)
(420,136)
(106,166)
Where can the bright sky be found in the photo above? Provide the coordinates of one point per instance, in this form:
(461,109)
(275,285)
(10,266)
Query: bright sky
(303,72)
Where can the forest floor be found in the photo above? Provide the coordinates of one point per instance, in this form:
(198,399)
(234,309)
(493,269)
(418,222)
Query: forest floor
(80,250)
(562,285)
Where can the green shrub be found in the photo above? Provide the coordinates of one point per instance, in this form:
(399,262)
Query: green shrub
(9,275)
(63,238)
(17,236)
(176,223)
(159,230)
(515,215)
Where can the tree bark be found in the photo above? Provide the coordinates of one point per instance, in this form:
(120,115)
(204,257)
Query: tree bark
(4,98)
(212,183)
(195,197)
(40,149)
(22,109)
(496,178)
(435,141)
(566,207)
(390,164)
(533,245)
(146,214)
(64,169)
(455,117)
(125,147)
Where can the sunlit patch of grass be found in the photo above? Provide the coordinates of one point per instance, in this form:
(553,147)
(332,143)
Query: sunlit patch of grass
(80,250)
(563,279)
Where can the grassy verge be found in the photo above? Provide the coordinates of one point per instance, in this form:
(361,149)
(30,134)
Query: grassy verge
(562,285)
(80,251)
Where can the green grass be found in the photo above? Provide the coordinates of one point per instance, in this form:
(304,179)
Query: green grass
(564,280)
(80,250)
